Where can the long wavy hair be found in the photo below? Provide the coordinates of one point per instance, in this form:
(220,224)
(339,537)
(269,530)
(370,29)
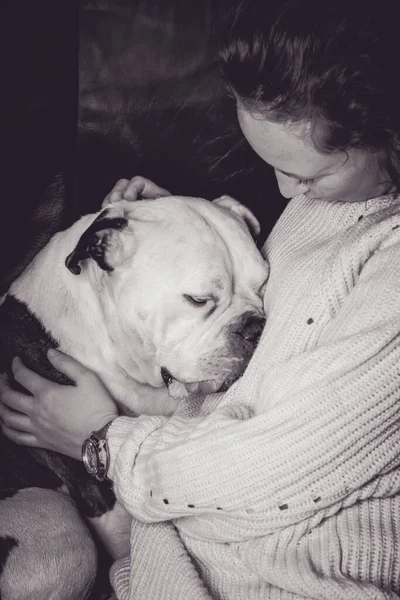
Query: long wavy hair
(332,63)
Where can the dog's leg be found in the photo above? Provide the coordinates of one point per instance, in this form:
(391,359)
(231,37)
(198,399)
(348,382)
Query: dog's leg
(113,529)
(50,552)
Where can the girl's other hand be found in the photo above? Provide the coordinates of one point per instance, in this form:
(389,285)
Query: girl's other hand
(56,417)
(134,189)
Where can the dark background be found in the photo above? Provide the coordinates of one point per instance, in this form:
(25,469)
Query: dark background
(96,91)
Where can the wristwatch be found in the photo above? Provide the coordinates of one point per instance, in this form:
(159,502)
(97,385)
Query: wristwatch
(95,453)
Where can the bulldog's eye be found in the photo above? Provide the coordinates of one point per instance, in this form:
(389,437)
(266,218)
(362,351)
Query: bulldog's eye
(196,300)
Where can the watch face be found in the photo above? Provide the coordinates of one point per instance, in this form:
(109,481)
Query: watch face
(90,457)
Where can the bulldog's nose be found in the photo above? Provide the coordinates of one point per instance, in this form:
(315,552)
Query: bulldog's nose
(252,328)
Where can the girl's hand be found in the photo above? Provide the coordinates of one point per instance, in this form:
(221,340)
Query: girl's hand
(56,417)
(134,189)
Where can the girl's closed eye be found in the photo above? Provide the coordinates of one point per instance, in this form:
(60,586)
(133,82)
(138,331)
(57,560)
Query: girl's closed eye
(299,180)
(305,181)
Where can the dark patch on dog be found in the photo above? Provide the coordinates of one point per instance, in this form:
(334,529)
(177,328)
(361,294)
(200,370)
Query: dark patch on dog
(93,498)
(22,334)
(93,243)
(7,544)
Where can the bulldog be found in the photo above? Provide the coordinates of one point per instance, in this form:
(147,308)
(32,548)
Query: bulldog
(161,298)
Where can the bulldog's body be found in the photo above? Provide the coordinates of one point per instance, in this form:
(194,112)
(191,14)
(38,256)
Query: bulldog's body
(145,294)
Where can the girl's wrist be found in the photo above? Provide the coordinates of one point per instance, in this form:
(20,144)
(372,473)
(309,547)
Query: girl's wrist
(95,451)
(103,421)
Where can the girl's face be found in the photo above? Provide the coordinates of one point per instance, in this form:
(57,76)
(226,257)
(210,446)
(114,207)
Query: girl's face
(352,176)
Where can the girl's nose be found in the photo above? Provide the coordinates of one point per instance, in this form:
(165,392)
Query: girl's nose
(289,187)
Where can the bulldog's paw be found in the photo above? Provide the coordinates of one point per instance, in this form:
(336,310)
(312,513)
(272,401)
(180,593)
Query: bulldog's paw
(178,390)
(134,189)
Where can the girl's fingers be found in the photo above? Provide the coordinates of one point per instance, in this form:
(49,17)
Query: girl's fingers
(14,419)
(131,190)
(120,186)
(151,191)
(13,399)
(66,364)
(140,187)
(20,437)
(30,380)
(134,189)
(116,193)
(119,190)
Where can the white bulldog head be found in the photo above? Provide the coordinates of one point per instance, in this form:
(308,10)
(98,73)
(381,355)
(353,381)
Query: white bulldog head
(181,282)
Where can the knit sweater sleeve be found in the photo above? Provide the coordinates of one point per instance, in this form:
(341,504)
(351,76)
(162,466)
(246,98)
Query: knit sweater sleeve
(329,429)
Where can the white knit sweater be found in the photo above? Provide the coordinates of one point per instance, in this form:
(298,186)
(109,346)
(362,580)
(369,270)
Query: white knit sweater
(287,486)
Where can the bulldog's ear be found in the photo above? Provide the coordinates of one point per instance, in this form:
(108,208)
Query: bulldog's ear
(241,211)
(101,242)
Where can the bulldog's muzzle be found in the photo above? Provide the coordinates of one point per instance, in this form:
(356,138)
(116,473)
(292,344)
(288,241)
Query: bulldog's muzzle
(243,337)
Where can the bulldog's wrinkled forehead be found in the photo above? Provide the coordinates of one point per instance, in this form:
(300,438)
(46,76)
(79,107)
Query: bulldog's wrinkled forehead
(175,222)
(170,209)
(200,226)
(188,240)
(189,214)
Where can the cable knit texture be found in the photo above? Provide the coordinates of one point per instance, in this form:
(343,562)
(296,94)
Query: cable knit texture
(287,486)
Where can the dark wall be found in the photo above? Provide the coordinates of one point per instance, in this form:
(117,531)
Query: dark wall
(152,102)
(39,80)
